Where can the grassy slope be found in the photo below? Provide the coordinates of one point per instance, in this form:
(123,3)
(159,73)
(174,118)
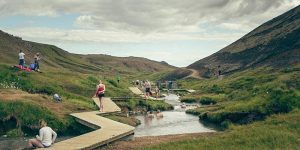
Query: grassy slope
(249,95)
(72,76)
(280,131)
(36,90)
(272,96)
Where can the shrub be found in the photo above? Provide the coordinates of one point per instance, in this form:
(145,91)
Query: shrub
(15,133)
(243,83)
(215,89)
(112,82)
(189,100)
(282,101)
(207,101)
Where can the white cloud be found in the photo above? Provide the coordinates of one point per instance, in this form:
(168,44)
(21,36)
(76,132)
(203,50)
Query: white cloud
(150,16)
(50,35)
(136,21)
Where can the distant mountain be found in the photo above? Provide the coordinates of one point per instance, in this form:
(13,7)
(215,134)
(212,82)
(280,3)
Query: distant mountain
(275,43)
(54,58)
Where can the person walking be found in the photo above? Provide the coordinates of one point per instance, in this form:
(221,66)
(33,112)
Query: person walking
(37,58)
(21,59)
(100,93)
(45,138)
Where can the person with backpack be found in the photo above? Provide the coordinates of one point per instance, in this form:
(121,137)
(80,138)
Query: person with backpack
(100,93)
(21,59)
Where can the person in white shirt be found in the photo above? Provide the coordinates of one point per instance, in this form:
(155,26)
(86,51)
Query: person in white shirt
(21,58)
(45,138)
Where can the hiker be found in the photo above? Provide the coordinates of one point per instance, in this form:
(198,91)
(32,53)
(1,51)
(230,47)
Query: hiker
(57,98)
(37,58)
(100,93)
(219,70)
(45,138)
(21,59)
(147,89)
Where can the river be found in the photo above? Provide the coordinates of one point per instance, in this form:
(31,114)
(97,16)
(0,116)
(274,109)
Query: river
(172,122)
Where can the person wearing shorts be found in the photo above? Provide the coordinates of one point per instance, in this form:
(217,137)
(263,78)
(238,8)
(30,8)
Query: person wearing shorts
(100,93)
(45,138)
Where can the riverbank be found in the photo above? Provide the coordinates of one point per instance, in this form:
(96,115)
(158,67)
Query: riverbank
(141,142)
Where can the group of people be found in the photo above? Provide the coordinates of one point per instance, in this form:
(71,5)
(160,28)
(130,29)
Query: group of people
(146,87)
(33,66)
(151,115)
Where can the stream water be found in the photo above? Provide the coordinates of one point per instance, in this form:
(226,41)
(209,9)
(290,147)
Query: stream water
(172,122)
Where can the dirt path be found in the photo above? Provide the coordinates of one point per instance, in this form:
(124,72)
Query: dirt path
(140,142)
(194,74)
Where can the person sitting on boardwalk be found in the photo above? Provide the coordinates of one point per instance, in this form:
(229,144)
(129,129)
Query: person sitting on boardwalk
(100,93)
(21,59)
(45,138)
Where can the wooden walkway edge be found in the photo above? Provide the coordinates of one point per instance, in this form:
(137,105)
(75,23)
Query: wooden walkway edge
(106,130)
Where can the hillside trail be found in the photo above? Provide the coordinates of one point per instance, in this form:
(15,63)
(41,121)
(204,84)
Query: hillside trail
(195,74)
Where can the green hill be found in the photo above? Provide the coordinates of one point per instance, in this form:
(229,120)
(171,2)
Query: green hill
(275,43)
(54,58)
(23,95)
(257,102)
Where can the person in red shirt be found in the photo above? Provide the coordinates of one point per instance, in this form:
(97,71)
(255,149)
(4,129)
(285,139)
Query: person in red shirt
(100,93)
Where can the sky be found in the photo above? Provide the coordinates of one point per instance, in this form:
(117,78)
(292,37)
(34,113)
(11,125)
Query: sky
(179,32)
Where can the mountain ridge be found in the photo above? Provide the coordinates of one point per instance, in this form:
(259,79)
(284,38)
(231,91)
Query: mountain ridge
(54,58)
(275,43)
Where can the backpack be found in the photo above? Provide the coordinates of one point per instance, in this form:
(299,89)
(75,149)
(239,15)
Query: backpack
(32,66)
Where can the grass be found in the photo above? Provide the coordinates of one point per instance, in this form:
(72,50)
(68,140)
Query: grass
(27,116)
(75,89)
(280,131)
(246,96)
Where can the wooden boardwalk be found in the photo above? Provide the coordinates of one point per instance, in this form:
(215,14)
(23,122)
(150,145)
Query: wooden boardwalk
(137,91)
(106,130)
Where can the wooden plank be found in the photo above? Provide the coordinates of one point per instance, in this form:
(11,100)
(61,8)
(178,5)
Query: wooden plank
(136,91)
